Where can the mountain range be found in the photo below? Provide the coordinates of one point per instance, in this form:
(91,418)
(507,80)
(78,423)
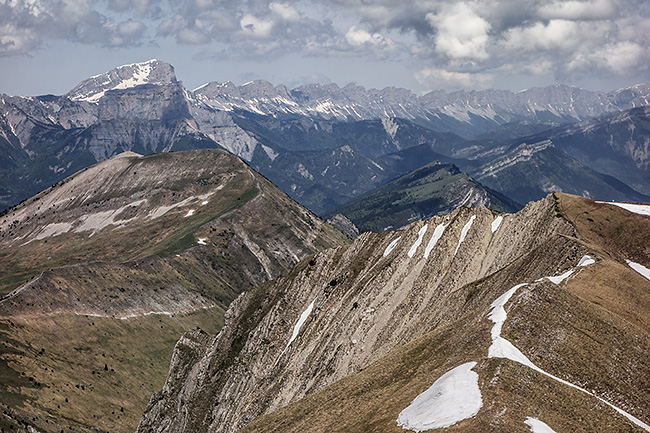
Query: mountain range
(326,146)
(471,321)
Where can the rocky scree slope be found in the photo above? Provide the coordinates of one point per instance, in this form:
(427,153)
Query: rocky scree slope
(354,334)
(109,267)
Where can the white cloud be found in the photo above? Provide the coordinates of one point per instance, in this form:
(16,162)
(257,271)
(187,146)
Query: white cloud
(16,41)
(191,36)
(359,37)
(285,11)
(131,28)
(555,35)
(461,32)
(451,41)
(624,57)
(443,78)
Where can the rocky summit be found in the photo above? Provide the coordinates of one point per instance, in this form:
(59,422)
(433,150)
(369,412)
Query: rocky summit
(471,321)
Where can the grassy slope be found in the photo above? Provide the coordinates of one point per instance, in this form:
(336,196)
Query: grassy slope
(101,374)
(138,349)
(165,235)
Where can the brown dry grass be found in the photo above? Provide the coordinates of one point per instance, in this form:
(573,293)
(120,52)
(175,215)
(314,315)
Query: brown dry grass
(67,356)
(613,231)
(371,400)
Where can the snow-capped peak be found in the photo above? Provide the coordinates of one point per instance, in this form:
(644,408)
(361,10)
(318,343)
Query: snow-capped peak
(123,77)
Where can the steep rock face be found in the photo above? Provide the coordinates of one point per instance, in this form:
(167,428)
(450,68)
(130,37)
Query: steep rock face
(353,335)
(349,307)
(617,145)
(139,107)
(529,171)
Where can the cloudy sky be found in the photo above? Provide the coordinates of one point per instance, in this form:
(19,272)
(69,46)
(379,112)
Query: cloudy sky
(48,46)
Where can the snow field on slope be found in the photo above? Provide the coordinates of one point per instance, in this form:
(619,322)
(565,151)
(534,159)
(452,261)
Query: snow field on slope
(641,209)
(417,243)
(496,223)
(455,396)
(584,261)
(464,232)
(558,279)
(296,329)
(437,234)
(537,426)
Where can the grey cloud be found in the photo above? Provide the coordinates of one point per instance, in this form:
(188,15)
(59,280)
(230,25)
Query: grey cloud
(458,41)
(16,41)
(24,25)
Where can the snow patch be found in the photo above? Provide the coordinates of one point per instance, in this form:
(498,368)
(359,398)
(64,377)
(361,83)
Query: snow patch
(455,396)
(204,202)
(464,232)
(140,75)
(586,261)
(417,243)
(391,246)
(496,223)
(272,154)
(296,329)
(202,241)
(641,209)
(560,278)
(537,426)
(189,213)
(304,172)
(390,126)
(437,234)
(639,268)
